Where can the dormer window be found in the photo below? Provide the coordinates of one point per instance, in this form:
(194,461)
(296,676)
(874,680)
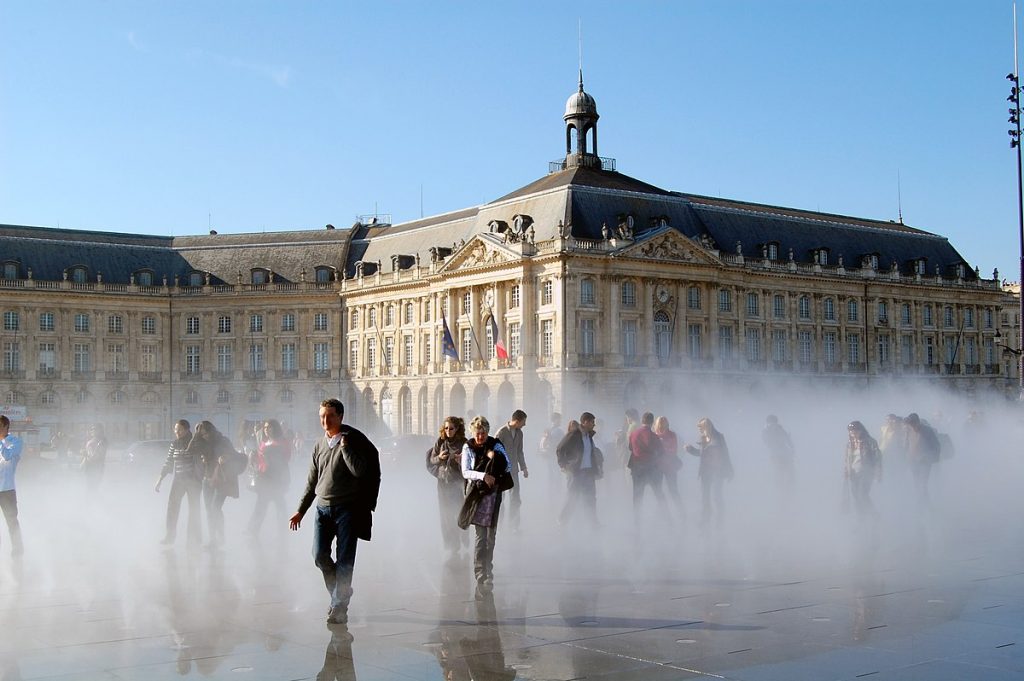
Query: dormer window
(324,274)
(259,276)
(10,270)
(77,274)
(920,266)
(195,279)
(960,271)
(870,261)
(144,278)
(771,250)
(821,256)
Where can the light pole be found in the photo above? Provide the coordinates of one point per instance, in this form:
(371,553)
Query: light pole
(1015,140)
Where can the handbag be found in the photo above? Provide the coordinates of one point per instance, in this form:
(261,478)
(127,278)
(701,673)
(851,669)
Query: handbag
(468,509)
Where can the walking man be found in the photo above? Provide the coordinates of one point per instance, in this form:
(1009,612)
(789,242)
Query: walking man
(344,478)
(511,437)
(187,482)
(10,455)
(582,460)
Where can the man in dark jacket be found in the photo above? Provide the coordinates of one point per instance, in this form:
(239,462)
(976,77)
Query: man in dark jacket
(582,461)
(922,451)
(345,478)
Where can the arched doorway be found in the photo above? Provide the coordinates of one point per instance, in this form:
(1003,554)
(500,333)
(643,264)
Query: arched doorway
(662,337)
(457,401)
(481,400)
(422,404)
(506,399)
(405,410)
(387,411)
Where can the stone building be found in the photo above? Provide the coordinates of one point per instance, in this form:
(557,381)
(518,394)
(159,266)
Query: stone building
(602,289)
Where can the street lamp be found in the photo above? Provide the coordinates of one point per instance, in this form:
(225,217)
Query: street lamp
(1015,141)
(1001,342)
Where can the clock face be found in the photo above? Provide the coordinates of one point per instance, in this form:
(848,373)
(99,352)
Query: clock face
(663,295)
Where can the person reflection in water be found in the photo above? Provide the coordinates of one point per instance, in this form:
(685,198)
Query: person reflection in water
(338,662)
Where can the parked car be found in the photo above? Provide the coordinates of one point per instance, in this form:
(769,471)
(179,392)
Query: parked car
(149,453)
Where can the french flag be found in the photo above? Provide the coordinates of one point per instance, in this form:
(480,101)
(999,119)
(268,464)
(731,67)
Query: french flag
(499,346)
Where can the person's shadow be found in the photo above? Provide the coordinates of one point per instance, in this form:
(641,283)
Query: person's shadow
(484,653)
(338,662)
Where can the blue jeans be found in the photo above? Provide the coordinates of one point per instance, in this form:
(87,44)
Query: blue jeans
(330,523)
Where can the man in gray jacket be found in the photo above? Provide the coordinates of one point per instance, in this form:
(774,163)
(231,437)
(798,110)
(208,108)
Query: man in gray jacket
(344,477)
(511,437)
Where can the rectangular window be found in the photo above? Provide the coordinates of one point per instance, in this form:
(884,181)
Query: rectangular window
(322,357)
(256,323)
(929,351)
(288,357)
(46,321)
(319,321)
(907,349)
(47,359)
(371,354)
(257,360)
(192,360)
(753,305)
(225,359)
(829,348)
(852,310)
(149,325)
(804,307)
(927,315)
(407,351)
(948,317)
(828,307)
(12,321)
(467,303)
(628,294)
(353,355)
(547,337)
(116,361)
(514,298)
(224,324)
(724,300)
(779,307)
(693,298)
(149,364)
(467,346)
(949,345)
(970,352)
(488,342)
(629,337)
(288,322)
(986,315)
(192,325)
(427,349)
(694,341)
(115,324)
(780,345)
(883,348)
(389,352)
(753,345)
(12,356)
(853,348)
(969,317)
(513,340)
(725,349)
(990,351)
(883,312)
(82,357)
(905,314)
(588,337)
(587,292)
(805,346)
(81,323)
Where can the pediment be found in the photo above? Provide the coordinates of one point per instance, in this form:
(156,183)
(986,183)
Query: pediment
(669,245)
(480,251)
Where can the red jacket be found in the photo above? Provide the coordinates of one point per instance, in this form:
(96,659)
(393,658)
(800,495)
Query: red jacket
(644,447)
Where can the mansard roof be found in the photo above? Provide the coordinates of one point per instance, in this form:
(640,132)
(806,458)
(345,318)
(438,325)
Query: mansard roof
(587,199)
(51,252)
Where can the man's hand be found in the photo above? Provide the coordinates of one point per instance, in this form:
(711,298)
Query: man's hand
(526,473)
(157,488)
(295,521)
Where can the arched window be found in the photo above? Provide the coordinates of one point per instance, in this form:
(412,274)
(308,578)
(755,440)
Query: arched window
(144,278)
(118,397)
(409,313)
(259,276)
(10,270)
(77,274)
(324,274)
(389,315)
(662,335)
(354,319)
(371,316)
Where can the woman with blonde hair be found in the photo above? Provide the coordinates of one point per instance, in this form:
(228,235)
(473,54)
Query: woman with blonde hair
(715,468)
(487,471)
(444,462)
(670,463)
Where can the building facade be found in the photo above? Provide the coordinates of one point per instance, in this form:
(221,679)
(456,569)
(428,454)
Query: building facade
(585,287)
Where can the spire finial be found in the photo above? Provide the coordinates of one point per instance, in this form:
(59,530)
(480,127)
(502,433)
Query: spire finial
(580,34)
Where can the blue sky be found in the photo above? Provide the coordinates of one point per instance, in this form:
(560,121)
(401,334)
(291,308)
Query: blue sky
(164,117)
